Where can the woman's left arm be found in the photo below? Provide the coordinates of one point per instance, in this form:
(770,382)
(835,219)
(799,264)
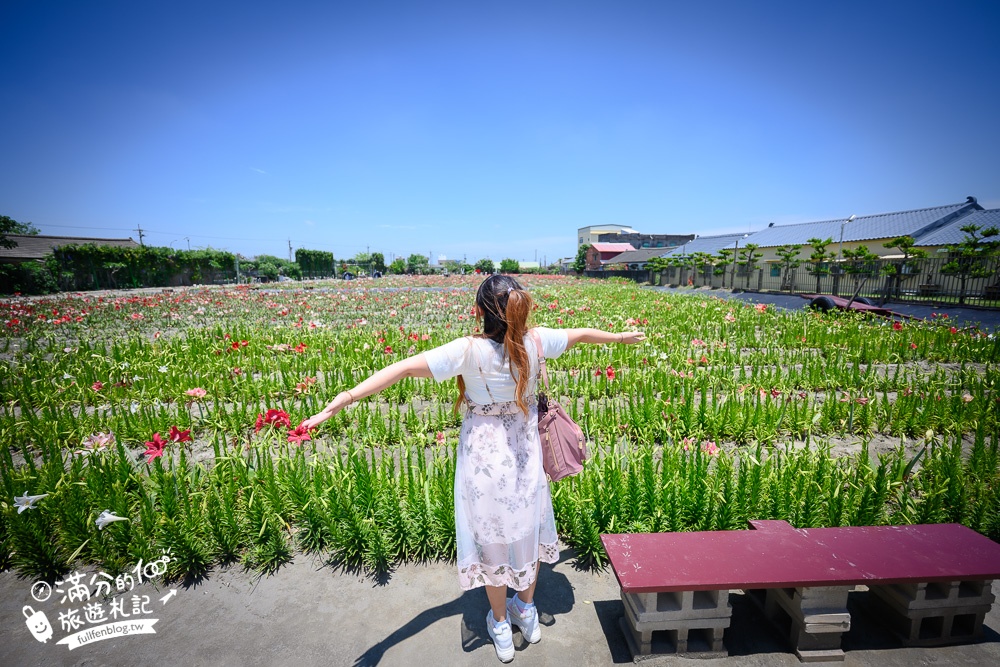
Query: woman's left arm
(411,367)
(598,336)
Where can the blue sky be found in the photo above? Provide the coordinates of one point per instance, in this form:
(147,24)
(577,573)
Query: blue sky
(487,128)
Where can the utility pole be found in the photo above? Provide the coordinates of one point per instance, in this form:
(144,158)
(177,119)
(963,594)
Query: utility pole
(289,250)
(188,239)
(138,228)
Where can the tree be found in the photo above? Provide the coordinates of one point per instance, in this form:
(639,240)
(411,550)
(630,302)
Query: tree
(748,259)
(267,270)
(580,263)
(861,265)
(9,225)
(907,268)
(701,262)
(509,266)
(485,266)
(722,260)
(398,266)
(968,258)
(820,260)
(658,264)
(417,263)
(378,262)
(789,255)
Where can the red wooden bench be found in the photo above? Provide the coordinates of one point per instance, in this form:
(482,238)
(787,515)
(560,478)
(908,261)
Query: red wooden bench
(932,583)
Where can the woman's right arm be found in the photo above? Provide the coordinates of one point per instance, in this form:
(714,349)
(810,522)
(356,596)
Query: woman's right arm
(599,336)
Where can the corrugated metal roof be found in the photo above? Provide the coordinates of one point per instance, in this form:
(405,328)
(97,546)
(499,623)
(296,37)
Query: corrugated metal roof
(637,256)
(709,244)
(863,228)
(612,247)
(37,247)
(951,234)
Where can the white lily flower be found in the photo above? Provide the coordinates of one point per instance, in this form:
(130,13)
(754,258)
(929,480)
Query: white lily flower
(27,502)
(162,369)
(107,517)
(67,376)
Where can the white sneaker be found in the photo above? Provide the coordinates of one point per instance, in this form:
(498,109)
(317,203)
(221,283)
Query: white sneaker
(527,621)
(502,636)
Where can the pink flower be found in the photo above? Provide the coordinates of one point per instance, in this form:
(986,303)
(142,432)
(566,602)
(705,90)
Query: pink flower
(761,307)
(710,448)
(729,317)
(299,434)
(388,349)
(154,448)
(953,330)
(97,386)
(609,372)
(177,435)
(697,342)
(439,437)
(196,393)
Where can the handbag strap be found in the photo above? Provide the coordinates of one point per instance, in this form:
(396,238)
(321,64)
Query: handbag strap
(479,366)
(543,370)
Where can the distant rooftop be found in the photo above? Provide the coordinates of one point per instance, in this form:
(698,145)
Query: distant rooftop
(951,234)
(913,223)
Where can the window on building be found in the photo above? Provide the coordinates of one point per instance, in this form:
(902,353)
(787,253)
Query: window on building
(645,244)
(776,270)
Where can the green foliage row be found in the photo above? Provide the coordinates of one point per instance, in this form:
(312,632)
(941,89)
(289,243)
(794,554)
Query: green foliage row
(373,509)
(92,266)
(315,263)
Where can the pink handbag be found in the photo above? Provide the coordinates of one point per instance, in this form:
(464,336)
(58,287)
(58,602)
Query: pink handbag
(564,449)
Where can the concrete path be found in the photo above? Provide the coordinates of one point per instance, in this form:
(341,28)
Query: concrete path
(310,614)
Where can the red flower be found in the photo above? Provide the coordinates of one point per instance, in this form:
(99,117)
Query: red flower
(299,434)
(388,349)
(953,330)
(154,448)
(97,386)
(609,372)
(177,435)
(272,418)
(897,326)
(598,373)
(913,346)
(300,348)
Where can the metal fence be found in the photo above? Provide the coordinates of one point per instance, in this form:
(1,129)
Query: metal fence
(916,280)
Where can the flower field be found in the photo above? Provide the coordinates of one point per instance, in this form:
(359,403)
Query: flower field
(169,420)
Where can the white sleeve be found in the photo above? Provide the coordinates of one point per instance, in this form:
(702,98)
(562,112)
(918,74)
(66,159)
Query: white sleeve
(554,341)
(446,361)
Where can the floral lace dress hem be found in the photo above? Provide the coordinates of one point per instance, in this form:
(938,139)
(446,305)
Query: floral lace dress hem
(479,574)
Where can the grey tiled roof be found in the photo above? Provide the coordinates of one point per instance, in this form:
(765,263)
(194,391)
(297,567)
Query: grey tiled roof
(37,247)
(709,244)
(863,228)
(951,234)
(637,256)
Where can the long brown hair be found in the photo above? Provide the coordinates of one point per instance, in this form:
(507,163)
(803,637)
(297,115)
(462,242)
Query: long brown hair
(504,306)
